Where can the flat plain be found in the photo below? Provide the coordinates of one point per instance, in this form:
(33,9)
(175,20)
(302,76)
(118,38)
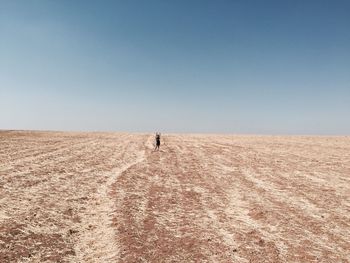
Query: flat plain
(108,197)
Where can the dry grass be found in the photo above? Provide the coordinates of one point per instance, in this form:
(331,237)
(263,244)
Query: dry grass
(107,197)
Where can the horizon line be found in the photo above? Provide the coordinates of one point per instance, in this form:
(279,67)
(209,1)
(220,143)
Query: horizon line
(179,133)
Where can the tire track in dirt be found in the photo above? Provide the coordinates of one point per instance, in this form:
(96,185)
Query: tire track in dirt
(43,209)
(97,243)
(230,208)
(164,214)
(208,201)
(268,205)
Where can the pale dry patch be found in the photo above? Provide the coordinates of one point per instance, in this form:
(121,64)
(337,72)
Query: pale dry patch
(97,240)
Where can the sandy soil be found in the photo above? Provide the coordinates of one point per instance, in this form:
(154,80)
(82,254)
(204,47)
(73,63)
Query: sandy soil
(107,197)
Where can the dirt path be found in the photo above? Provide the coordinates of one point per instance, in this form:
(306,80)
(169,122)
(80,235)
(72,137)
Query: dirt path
(107,197)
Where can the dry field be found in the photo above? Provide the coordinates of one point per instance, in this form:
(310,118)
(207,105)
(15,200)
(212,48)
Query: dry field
(107,197)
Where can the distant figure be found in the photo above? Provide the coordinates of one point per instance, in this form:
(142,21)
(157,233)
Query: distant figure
(157,141)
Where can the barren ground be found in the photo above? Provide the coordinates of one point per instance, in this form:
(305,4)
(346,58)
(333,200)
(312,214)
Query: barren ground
(107,197)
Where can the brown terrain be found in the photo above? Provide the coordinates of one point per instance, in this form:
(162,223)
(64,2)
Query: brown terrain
(108,197)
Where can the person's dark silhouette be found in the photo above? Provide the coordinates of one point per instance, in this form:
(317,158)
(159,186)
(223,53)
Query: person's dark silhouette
(157,141)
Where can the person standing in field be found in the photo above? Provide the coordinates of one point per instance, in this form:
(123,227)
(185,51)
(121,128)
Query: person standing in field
(157,141)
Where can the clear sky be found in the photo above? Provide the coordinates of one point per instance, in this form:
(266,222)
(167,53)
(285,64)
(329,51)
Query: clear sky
(263,67)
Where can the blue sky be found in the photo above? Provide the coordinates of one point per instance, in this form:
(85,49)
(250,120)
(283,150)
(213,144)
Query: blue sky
(262,67)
